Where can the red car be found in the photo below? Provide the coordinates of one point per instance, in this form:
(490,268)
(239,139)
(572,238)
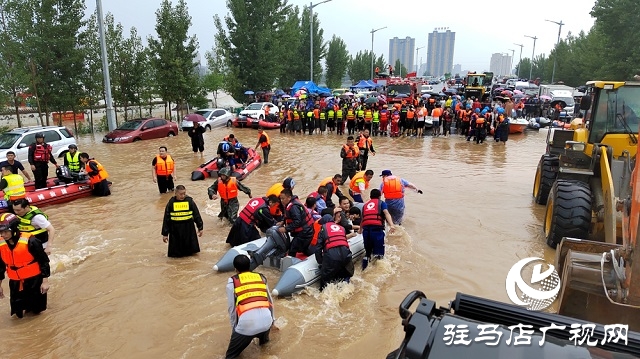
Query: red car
(142,129)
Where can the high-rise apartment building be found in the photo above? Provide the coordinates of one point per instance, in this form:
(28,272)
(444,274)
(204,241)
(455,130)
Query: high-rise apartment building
(441,43)
(500,64)
(403,50)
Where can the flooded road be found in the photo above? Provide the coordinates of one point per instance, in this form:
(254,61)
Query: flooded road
(115,294)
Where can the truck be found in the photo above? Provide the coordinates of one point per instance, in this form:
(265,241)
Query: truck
(475,86)
(399,88)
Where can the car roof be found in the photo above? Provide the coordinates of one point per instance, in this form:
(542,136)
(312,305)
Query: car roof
(210,109)
(23,130)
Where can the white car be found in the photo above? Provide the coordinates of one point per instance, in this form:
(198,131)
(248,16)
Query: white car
(19,139)
(215,117)
(426,89)
(256,110)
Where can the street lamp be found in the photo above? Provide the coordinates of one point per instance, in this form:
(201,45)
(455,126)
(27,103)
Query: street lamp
(311,6)
(519,61)
(555,58)
(373,32)
(418,49)
(111,113)
(532,53)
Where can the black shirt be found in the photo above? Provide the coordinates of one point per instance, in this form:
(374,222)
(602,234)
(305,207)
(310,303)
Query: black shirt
(15,167)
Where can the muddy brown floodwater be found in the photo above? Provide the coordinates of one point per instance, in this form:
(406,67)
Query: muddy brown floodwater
(115,294)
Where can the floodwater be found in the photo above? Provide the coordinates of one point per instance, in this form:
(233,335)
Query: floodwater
(115,294)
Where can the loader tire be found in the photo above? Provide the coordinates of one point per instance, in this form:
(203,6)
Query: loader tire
(568,212)
(546,174)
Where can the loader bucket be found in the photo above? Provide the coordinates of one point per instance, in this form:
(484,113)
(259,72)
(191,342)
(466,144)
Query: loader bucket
(585,279)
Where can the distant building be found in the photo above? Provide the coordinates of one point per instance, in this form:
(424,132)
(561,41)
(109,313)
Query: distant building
(457,69)
(403,50)
(440,51)
(500,64)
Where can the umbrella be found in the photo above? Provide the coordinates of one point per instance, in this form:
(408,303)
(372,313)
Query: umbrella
(347,93)
(329,98)
(248,92)
(371,100)
(518,92)
(545,97)
(426,95)
(279,92)
(499,89)
(506,92)
(285,96)
(401,96)
(562,103)
(194,117)
(345,96)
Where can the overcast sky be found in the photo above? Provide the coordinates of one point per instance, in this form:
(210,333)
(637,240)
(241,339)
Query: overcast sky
(482,27)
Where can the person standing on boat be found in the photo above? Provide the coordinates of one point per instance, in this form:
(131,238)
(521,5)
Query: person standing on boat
(250,307)
(393,188)
(27,266)
(374,215)
(72,160)
(12,184)
(15,165)
(227,186)
(298,222)
(163,171)
(97,175)
(181,225)
(39,157)
(254,214)
(197,139)
(35,222)
(264,143)
(333,253)
(350,155)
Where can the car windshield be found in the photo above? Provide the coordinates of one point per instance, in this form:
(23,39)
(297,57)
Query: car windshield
(475,80)
(568,100)
(8,139)
(130,125)
(204,113)
(616,112)
(254,106)
(394,90)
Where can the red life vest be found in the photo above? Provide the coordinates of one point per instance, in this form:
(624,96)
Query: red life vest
(316,195)
(42,153)
(384,115)
(20,263)
(308,219)
(372,213)
(248,212)
(336,236)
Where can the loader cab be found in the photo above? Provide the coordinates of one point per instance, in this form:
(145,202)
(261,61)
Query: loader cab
(612,110)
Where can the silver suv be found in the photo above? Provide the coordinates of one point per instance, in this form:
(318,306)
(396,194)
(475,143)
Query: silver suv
(18,140)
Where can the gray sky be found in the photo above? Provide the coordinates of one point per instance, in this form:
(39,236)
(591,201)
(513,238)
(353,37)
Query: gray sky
(503,23)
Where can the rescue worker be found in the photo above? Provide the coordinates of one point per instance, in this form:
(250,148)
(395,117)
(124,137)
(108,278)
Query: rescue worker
(365,145)
(35,222)
(182,225)
(481,127)
(322,125)
(254,214)
(331,118)
(375,123)
(350,156)
(351,121)
(72,160)
(392,188)
(298,223)
(163,171)
(368,119)
(374,215)
(360,183)
(340,112)
(384,121)
(27,266)
(228,187)
(332,251)
(360,113)
(97,175)
(264,143)
(12,184)
(278,187)
(250,307)
(332,184)
(39,157)
(15,165)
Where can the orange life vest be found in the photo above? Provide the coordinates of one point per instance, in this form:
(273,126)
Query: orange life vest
(410,115)
(351,115)
(336,236)
(316,230)
(392,187)
(351,152)
(228,190)
(296,115)
(328,180)
(20,263)
(480,122)
(42,153)
(102,173)
(164,166)
(359,176)
(275,210)
(372,213)
(365,142)
(308,219)
(316,114)
(264,144)
(250,292)
(248,212)
(368,115)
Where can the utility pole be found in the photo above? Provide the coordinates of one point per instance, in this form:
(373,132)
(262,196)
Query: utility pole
(532,54)
(311,6)
(418,49)
(555,58)
(519,61)
(111,113)
(373,32)
(511,62)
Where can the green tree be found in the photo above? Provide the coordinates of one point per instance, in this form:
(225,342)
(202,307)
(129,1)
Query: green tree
(319,46)
(251,47)
(399,69)
(337,61)
(214,80)
(92,79)
(13,74)
(360,65)
(289,38)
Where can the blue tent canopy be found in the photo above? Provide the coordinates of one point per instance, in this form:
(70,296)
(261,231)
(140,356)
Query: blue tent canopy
(310,86)
(373,84)
(363,84)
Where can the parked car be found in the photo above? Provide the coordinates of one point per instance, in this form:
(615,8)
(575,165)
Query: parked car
(142,129)
(215,117)
(19,139)
(256,110)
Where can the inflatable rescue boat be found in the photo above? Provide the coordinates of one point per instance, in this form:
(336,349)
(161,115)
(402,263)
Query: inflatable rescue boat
(210,168)
(61,193)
